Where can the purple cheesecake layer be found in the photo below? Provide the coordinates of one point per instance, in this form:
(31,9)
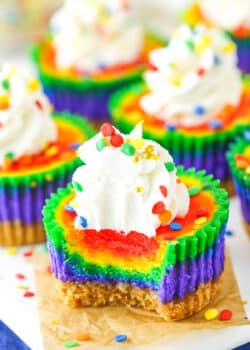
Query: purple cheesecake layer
(243,52)
(93,104)
(25,203)
(244,194)
(179,280)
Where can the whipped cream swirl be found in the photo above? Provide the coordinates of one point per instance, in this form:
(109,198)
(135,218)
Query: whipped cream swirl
(93,34)
(195,77)
(226,14)
(127,187)
(25,115)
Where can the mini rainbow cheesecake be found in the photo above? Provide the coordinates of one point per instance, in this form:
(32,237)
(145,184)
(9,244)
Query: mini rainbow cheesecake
(132,229)
(88,55)
(239,161)
(193,101)
(37,154)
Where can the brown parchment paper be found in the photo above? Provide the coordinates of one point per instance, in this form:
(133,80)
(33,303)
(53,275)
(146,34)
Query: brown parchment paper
(59,323)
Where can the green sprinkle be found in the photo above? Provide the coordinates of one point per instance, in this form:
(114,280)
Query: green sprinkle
(100,144)
(71,344)
(190,45)
(6,84)
(78,187)
(128,149)
(9,155)
(169,166)
(193,191)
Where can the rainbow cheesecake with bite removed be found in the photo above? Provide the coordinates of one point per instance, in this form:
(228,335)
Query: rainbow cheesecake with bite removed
(132,229)
(37,154)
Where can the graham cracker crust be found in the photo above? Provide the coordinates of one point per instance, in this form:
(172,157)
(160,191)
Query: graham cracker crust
(228,186)
(15,233)
(122,294)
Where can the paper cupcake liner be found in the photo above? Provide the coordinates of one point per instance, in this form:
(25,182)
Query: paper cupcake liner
(179,251)
(241,180)
(199,151)
(22,197)
(243,52)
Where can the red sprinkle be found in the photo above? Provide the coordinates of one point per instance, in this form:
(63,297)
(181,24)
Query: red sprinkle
(226,315)
(107,129)
(49,269)
(39,104)
(20,276)
(116,140)
(27,254)
(158,208)
(164,190)
(201,72)
(28,294)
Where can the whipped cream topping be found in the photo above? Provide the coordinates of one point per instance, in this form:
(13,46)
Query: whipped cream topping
(128,184)
(25,115)
(94,34)
(226,14)
(195,77)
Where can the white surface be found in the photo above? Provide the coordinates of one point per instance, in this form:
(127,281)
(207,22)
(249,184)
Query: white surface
(20,313)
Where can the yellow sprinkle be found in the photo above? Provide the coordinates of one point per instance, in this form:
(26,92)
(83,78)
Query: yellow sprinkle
(203,43)
(150,148)
(63,339)
(74,203)
(211,314)
(229,47)
(139,189)
(244,302)
(33,184)
(4,102)
(200,221)
(11,72)
(51,151)
(48,177)
(11,251)
(247,170)
(136,159)
(23,287)
(155,156)
(146,155)
(54,322)
(175,81)
(138,143)
(33,85)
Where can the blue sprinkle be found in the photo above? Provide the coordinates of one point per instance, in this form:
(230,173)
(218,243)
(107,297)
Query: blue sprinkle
(215,124)
(101,66)
(69,208)
(247,135)
(119,338)
(171,127)
(175,226)
(199,110)
(217,59)
(83,222)
(229,233)
(75,146)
